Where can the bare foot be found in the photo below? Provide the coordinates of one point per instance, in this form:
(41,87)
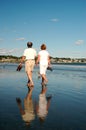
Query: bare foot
(30,86)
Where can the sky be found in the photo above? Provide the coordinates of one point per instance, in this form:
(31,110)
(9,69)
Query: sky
(60,24)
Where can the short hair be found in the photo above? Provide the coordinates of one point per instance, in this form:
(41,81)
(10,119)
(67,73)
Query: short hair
(29,44)
(43,47)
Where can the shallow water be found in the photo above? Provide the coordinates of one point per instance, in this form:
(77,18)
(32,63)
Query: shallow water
(67,110)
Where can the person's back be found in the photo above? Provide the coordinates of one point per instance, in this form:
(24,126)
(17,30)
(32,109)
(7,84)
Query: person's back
(30,53)
(44,60)
(29,56)
(44,57)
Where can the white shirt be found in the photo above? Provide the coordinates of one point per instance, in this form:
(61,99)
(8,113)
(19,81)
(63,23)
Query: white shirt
(30,53)
(42,112)
(43,57)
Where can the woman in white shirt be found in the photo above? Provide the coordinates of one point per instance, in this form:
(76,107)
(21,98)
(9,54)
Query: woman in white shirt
(44,60)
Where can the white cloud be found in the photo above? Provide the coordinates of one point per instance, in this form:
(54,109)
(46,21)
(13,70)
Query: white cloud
(20,39)
(4,51)
(55,20)
(79,42)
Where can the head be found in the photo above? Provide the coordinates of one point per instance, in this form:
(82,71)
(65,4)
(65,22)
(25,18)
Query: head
(43,47)
(29,44)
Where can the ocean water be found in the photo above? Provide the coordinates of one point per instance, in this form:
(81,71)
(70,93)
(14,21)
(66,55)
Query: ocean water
(67,105)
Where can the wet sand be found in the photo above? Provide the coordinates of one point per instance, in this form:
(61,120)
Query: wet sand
(67,110)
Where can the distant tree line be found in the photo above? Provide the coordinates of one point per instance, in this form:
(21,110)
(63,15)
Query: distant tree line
(8,57)
(53,59)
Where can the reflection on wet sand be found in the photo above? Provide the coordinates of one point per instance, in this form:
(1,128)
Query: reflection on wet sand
(28,114)
(43,104)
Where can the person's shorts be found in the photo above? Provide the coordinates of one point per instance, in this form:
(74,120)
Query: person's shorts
(29,65)
(43,69)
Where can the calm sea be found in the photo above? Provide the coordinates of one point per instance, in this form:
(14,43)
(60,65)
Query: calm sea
(67,106)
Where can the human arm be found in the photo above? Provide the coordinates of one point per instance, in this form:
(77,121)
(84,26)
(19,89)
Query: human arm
(49,61)
(38,59)
(20,64)
(18,100)
(49,64)
(22,59)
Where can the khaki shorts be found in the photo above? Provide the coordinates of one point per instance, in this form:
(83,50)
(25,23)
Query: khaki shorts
(29,65)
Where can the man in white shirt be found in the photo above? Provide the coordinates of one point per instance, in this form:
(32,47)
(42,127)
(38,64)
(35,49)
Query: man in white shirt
(29,56)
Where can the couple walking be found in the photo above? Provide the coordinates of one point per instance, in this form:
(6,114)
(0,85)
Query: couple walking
(31,58)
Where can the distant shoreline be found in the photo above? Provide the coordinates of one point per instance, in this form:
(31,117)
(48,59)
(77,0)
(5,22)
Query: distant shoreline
(14,59)
(77,63)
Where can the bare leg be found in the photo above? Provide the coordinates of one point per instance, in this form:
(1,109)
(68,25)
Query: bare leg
(44,89)
(44,78)
(29,95)
(29,74)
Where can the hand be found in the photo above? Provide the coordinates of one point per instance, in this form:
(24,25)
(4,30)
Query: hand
(19,67)
(49,68)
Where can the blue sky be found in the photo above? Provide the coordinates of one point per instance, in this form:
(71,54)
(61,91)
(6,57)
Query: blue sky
(61,24)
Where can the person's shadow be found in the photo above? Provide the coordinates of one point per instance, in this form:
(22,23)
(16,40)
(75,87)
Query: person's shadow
(43,104)
(27,113)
